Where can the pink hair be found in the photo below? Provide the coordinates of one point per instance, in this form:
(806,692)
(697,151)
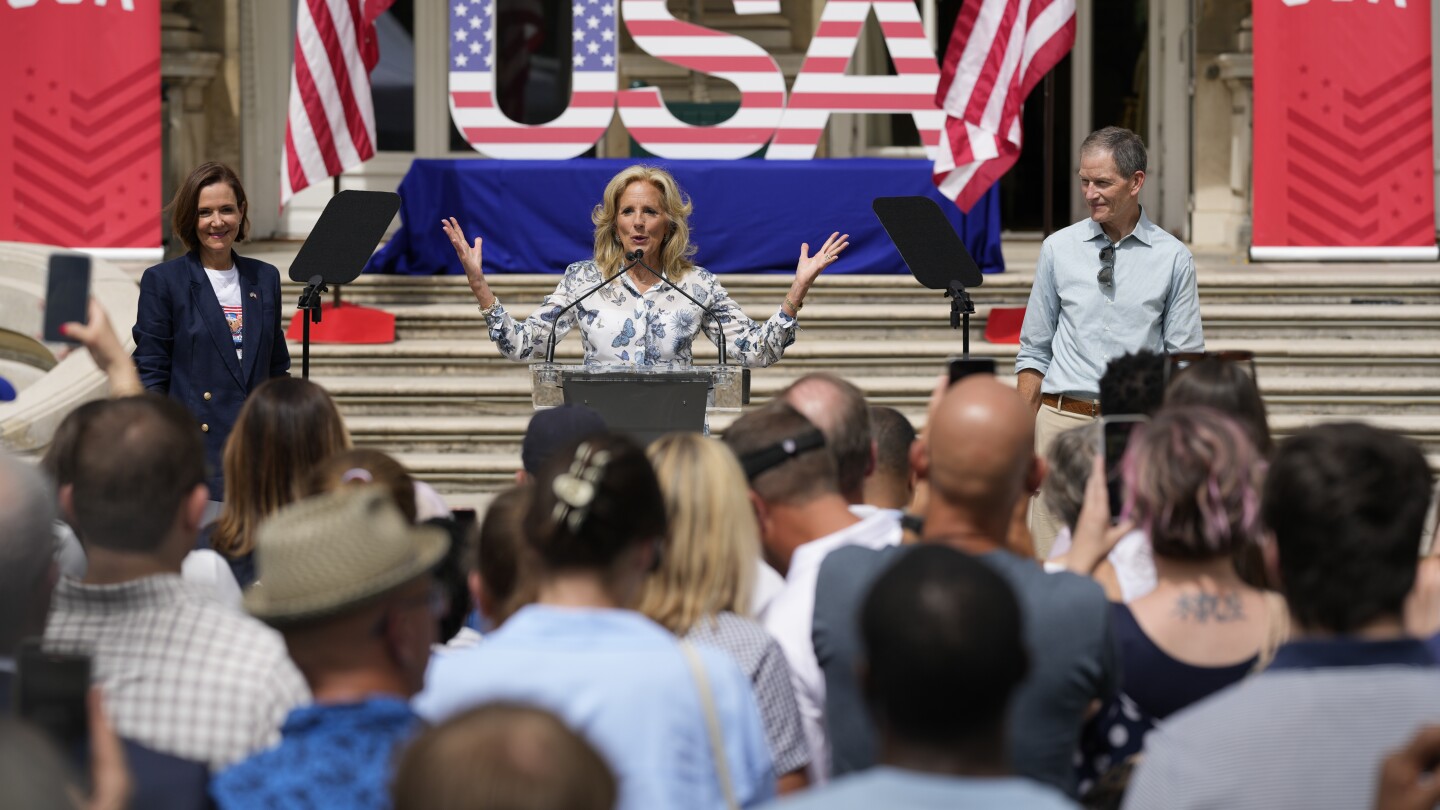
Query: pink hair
(1193,478)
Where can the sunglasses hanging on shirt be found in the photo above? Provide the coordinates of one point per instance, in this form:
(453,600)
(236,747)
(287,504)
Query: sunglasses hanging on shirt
(1107,265)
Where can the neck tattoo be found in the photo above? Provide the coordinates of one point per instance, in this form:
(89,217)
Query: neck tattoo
(1206,607)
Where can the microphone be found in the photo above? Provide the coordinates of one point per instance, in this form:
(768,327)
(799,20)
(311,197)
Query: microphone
(631,258)
(720,340)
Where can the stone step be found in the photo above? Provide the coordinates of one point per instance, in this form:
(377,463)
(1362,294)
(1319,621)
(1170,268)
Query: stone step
(861,358)
(465,480)
(931,321)
(485,450)
(1220,286)
(509,394)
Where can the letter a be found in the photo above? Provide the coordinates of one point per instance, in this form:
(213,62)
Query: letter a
(823,87)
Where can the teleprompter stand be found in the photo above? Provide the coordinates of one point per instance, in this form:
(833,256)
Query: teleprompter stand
(934,253)
(337,249)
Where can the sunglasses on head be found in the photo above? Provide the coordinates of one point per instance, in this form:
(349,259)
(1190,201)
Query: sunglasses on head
(1179,361)
(766,458)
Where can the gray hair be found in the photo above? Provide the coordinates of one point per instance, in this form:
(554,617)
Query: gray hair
(1070,458)
(27,549)
(1124,146)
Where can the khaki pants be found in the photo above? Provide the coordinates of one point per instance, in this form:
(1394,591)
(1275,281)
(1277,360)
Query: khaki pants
(1049,423)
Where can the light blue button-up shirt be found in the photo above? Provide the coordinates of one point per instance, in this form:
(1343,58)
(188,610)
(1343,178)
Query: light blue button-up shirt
(621,681)
(1074,325)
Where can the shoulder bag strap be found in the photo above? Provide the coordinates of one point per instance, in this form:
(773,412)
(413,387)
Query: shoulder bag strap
(712,723)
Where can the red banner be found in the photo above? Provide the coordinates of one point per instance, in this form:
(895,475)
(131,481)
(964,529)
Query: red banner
(1344,163)
(80,123)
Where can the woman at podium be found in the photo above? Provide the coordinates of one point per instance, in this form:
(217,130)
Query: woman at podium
(642,229)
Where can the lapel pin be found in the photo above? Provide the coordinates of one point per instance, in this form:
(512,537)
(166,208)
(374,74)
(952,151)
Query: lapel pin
(253,295)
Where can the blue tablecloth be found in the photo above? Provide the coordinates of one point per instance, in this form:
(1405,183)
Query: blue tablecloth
(750,215)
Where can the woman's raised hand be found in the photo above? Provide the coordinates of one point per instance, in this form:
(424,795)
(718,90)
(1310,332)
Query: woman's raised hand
(469,255)
(810,267)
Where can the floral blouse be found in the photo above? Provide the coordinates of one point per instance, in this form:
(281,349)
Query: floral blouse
(619,325)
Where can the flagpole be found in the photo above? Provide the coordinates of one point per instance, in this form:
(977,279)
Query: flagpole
(1048,196)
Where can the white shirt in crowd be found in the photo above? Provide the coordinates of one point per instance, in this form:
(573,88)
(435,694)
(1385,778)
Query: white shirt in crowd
(1132,559)
(791,613)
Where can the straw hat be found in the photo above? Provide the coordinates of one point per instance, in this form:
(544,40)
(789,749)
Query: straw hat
(323,554)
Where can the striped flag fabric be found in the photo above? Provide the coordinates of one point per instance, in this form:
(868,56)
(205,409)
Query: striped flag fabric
(732,58)
(824,87)
(999,50)
(594,73)
(331,127)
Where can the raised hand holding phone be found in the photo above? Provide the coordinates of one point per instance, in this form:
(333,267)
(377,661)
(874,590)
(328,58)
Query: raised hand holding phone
(67,294)
(1115,433)
(1094,535)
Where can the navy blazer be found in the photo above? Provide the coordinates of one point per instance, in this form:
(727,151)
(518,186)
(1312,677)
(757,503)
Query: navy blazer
(183,346)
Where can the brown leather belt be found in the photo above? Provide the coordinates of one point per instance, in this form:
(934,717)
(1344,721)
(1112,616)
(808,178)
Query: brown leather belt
(1084,407)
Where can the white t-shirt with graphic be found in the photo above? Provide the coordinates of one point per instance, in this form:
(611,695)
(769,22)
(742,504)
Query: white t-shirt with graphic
(227,289)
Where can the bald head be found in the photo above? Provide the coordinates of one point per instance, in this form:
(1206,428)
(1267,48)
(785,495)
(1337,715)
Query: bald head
(981,452)
(839,409)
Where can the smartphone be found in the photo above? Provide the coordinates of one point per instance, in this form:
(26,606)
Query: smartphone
(50,692)
(961,367)
(67,293)
(1115,433)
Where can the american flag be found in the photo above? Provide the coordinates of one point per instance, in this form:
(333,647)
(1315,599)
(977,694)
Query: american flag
(331,127)
(999,51)
(735,59)
(473,106)
(823,86)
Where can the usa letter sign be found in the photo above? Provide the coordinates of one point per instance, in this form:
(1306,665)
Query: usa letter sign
(792,129)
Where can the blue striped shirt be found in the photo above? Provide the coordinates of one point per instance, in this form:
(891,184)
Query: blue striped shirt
(1074,325)
(1309,732)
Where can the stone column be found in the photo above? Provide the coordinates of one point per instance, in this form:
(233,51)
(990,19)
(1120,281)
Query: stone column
(1237,71)
(186,72)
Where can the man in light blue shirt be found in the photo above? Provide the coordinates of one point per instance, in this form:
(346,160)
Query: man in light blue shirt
(1106,286)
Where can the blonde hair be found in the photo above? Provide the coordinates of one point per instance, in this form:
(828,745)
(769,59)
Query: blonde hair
(675,250)
(709,566)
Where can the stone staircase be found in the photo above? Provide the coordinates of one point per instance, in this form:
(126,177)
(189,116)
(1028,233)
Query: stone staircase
(1332,342)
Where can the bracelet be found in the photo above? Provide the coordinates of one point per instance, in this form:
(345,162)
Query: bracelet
(794,306)
(485,311)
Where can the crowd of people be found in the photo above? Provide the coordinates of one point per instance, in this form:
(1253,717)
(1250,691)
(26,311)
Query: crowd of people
(817,610)
(823,609)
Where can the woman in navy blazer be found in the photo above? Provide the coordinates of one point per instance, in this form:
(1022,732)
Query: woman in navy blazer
(190,345)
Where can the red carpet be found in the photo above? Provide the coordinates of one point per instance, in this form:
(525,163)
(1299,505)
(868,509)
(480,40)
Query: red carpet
(347,323)
(1003,325)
